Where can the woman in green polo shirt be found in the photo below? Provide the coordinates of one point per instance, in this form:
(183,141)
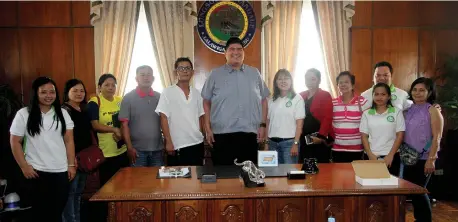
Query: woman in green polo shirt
(382,129)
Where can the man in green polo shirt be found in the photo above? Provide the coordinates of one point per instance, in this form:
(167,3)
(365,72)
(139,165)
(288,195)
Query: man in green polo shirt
(383,72)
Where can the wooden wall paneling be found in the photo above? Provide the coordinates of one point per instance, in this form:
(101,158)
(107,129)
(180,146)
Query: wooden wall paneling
(8,13)
(363,14)
(400,48)
(390,13)
(46,52)
(9,59)
(438,13)
(361,58)
(205,59)
(227,210)
(427,53)
(83,48)
(290,209)
(146,211)
(446,44)
(81,13)
(187,210)
(341,208)
(45,13)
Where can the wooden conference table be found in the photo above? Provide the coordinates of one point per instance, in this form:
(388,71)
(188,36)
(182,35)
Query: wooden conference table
(134,194)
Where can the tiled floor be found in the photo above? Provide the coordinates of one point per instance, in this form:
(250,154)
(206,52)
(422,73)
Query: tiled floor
(442,212)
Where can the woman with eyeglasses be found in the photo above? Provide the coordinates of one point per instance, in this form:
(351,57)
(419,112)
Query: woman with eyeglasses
(424,125)
(43,146)
(285,119)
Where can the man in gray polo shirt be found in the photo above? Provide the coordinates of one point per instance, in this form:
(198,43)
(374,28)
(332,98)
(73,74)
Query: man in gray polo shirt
(141,126)
(235,108)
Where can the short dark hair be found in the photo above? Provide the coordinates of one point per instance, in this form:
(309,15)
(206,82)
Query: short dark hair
(233,40)
(316,72)
(143,67)
(346,73)
(384,63)
(183,59)
(387,89)
(69,85)
(429,85)
(104,77)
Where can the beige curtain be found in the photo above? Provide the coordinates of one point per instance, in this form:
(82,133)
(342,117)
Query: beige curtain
(334,22)
(172,34)
(114,34)
(280,38)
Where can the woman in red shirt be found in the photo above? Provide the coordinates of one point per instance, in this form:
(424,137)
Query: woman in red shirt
(318,119)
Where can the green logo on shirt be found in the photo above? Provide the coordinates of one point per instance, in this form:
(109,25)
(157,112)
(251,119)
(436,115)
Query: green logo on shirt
(390,119)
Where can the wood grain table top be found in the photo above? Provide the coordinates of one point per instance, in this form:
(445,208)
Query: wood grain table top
(334,179)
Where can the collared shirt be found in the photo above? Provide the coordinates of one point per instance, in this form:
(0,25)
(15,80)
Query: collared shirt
(282,115)
(46,151)
(182,115)
(382,129)
(346,119)
(235,97)
(399,97)
(138,108)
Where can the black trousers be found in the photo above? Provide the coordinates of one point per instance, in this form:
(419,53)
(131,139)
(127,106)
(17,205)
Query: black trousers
(421,205)
(111,166)
(230,146)
(319,151)
(346,157)
(395,164)
(48,196)
(187,156)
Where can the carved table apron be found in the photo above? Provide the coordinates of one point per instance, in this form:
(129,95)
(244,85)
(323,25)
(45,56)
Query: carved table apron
(134,194)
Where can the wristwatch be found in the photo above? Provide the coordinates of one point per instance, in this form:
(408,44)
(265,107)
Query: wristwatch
(295,142)
(263,125)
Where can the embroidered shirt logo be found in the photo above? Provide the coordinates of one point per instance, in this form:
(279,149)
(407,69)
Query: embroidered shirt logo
(390,119)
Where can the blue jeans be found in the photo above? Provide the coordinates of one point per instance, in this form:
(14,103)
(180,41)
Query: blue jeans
(72,208)
(284,151)
(149,158)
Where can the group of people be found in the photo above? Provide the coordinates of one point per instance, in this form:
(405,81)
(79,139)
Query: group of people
(233,113)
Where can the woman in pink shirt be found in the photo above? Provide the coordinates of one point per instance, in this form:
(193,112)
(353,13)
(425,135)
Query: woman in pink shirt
(347,111)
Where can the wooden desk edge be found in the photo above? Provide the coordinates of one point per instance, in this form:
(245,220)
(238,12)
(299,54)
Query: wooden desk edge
(268,194)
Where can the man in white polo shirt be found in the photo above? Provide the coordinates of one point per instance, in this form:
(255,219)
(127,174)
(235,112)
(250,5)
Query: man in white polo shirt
(181,110)
(383,72)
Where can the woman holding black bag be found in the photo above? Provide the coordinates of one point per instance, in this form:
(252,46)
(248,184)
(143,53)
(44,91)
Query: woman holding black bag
(318,120)
(424,125)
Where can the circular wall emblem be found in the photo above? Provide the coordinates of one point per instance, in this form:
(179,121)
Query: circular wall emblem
(217,21)
(390,119)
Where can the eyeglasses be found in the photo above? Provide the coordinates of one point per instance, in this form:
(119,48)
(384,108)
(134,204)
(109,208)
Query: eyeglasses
(184,69)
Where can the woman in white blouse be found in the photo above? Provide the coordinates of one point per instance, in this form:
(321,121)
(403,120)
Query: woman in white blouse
(284,119)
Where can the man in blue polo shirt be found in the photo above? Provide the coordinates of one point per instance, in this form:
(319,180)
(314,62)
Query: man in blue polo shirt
(141,127)
(235,108)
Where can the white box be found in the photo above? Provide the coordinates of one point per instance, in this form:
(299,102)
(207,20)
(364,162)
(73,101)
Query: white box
(373,173)
(392,181)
